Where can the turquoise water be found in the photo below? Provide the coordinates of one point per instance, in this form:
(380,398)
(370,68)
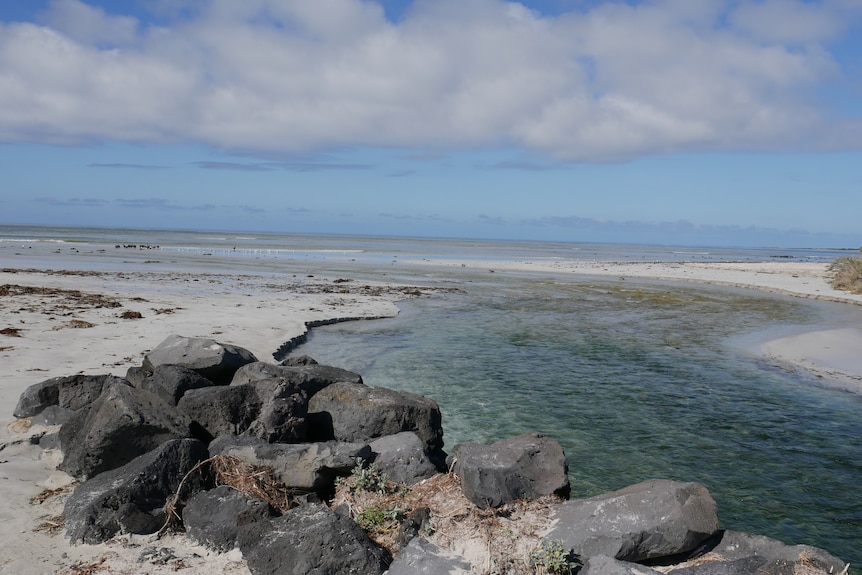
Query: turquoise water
(636,380)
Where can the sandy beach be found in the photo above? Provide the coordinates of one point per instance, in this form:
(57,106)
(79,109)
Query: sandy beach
(57,324)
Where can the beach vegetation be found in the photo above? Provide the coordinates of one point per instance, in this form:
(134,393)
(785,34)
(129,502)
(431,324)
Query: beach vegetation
(846,274)
(551,557)
(377,519)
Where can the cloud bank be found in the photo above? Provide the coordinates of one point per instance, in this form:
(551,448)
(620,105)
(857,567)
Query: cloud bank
(608,82)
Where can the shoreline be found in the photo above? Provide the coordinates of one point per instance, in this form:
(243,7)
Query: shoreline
(261,313)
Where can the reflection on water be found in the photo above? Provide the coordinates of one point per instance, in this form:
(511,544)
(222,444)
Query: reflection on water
(636,381)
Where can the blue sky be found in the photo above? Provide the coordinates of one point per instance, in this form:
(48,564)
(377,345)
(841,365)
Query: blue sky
(691,122)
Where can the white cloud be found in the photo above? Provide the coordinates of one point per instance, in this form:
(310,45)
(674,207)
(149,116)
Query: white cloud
(611,82)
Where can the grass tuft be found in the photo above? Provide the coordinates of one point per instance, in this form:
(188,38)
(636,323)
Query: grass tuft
(846,274)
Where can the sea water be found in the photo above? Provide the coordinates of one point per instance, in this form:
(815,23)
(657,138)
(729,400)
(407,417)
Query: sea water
(637,380)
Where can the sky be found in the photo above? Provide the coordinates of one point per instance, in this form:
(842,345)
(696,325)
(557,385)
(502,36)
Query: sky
(680,122)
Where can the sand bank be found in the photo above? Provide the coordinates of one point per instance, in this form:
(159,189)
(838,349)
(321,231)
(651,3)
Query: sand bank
(58,324)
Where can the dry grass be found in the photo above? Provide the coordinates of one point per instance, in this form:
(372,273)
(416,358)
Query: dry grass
(253,480)
(846,274)
(493,540)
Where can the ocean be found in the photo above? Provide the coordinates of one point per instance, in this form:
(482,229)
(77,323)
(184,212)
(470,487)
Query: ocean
(636,379)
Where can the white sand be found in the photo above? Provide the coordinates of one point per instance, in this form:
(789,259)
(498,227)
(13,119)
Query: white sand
(255,314)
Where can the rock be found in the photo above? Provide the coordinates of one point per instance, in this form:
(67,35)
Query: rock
(308,467)
(299,360)
(310,539)
(52,415)
(271,409)
(653,519)
(221,410)
(415,523)
(72,392)
(355,412)
(213,360)
(123,423)
(741,553)
(421,557)
(604,565)
(131,498)
(283,411)
(171,382)
(213,518)
(529,465)
(310,377)
(402,458)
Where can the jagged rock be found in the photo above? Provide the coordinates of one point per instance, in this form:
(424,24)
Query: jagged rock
(402,458)
(738,553)
(283,411)
(415,523)
(131,498)
(299,360)
(52,415)
(656,518)
(604,565)
(309,467)
(355,412)
(421,557)
(171,382)
(271,409)
(529,465)
(123,423)
(73,392)
(213,360)
(310,539)
(223,409)
(213,518)
(310,377)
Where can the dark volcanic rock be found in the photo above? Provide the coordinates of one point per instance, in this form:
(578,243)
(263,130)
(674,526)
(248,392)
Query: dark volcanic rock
(271,409)
(355,412)
(421,557)
(740,553)
(402,458)
(604,565)
(310,539)
(123,423)
(656,518)
(213,360)
(72,392)
(214,518)
(131,499)
(308,467)
(529,465)
(310,377)
(171,382)
(223,409)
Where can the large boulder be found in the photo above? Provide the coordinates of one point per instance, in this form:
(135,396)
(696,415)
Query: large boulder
(73,392)
(421,557)
(355,412)
(304,467)
(271,409)
(131,498)
(214,518)
(656,518)
(213,360)
(402,458)
(735,553)
(604,565)
(310,539)
(310,377)
(529,465)
(123,423)
(171,382)
(221,410)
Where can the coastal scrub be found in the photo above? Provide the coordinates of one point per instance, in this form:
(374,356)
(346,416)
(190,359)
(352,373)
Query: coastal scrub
(846,274)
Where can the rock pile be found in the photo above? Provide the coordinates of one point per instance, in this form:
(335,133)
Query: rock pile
(147,450)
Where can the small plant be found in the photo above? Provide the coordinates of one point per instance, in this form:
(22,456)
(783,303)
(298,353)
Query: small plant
(552,558)
(377,519)
(369,478)
(847,274)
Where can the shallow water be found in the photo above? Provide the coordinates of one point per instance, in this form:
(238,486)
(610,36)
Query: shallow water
(636,381)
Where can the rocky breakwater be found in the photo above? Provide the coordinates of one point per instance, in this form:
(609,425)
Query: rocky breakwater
(306,469)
